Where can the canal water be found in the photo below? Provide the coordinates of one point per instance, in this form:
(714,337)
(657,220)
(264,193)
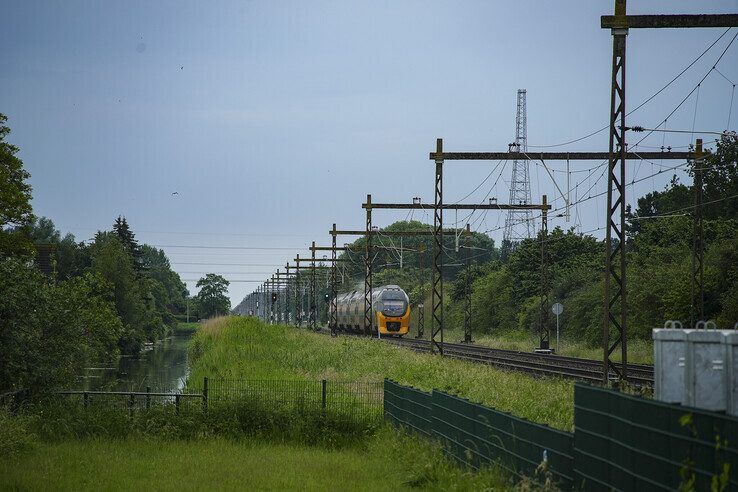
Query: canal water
(164,367)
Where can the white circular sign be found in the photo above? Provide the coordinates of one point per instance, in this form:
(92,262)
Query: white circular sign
(557,308)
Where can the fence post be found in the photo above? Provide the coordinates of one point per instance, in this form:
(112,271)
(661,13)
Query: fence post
(323,399)
(176,403)
(131,402)
(205,393)
(86,399)
(148,398)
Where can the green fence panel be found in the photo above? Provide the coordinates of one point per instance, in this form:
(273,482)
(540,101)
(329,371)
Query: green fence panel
(407,407)
(623,442)
(476,435)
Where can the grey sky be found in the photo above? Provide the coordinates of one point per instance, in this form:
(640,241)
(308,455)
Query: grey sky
(275,119)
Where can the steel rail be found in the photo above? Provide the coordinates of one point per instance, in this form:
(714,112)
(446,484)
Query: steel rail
(539,364)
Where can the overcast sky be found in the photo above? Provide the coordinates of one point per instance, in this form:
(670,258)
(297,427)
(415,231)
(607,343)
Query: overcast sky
(274,119)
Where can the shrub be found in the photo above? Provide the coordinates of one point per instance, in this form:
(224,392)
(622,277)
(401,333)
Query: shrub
(15,435)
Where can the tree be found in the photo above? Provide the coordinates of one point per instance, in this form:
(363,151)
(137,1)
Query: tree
(68,256)
(111,260)
(50,332)
(16,214)
(212,297)
(127,239)
(156,265)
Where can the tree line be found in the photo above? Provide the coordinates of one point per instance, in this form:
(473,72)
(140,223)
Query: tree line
(64,303)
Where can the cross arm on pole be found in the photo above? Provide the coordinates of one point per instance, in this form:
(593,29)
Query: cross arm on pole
(458,206)
(383,233)
(668,21)
(328,248)
(558,156)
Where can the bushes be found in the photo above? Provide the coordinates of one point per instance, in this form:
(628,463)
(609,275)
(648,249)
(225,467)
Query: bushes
(62,418)
(49,331)
(15,435)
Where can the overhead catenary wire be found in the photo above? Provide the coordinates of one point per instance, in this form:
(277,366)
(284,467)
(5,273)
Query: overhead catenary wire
(255,248)
(696,87)
(646,101)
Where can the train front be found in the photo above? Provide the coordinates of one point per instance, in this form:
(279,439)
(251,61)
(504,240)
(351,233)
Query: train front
(393,312)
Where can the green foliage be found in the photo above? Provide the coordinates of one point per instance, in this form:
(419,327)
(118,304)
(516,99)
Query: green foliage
(184,328)
(212,298)
(16,214)
(128,240)
(50,331)
(387,249)
(388,461)
(63,417)
(16,437)
(111,260)
(244,348)
(493,309)
(506,283)
(156,264)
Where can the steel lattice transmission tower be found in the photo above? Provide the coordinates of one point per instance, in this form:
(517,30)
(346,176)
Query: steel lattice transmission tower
(519,223)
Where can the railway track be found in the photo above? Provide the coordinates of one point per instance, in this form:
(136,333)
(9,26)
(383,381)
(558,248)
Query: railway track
(540,364)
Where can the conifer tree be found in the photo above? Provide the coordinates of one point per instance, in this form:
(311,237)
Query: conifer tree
(128,239)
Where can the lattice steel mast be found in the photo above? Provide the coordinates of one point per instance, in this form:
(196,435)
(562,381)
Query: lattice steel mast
(519,223)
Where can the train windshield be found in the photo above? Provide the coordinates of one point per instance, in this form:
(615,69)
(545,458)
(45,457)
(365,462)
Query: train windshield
(394,303)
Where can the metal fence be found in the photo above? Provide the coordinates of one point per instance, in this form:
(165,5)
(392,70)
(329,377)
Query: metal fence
(353,399)
(475,435)
(620,442)
(337,397)
(623,442)
(137,400)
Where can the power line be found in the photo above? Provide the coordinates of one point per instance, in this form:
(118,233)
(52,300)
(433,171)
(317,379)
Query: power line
(714,66)
(198,233)
(229,281)
(265,248)
(649,99)
(225,264)
(226,273)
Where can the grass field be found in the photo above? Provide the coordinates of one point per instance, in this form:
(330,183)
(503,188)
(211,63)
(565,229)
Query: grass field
(243,348)
(110,450)
(389,461)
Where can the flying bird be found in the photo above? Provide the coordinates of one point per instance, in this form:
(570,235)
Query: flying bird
(175,193)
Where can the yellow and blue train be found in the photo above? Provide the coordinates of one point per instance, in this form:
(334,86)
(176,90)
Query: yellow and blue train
(390,311)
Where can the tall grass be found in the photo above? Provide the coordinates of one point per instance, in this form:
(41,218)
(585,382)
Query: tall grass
(59,418)
(183,328)
(639,351)
(244,348)
(388,461)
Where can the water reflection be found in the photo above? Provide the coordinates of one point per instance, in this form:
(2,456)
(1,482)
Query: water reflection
(164,368)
